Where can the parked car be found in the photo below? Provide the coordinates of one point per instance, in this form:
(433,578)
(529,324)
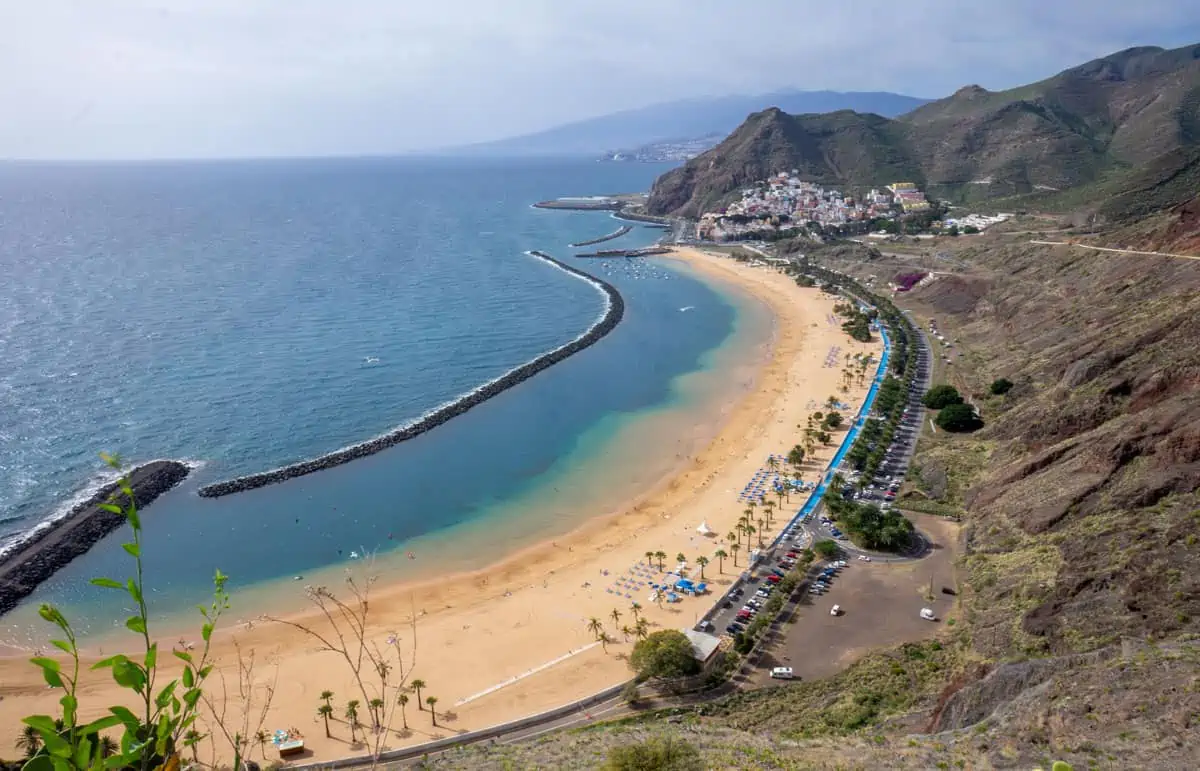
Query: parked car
(782,673)
(773,579)
(836,610)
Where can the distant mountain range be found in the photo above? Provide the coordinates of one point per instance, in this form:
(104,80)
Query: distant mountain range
(682,121)
(1100,122)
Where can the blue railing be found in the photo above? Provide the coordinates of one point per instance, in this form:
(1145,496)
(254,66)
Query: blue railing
(814,499)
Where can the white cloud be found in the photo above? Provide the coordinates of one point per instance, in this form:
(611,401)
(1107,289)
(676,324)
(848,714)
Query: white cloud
(139,78)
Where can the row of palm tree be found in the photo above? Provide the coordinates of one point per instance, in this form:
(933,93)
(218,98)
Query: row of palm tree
(376,709)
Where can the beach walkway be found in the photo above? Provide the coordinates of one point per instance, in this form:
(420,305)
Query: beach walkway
(523,675)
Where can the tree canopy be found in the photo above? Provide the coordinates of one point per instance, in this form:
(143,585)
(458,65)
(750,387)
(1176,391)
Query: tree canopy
(958,418)
(1001,386)
(827,549)
(664,654)
(941,396)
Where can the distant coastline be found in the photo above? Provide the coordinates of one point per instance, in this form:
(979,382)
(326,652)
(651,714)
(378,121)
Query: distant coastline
(613,312)
(50,548)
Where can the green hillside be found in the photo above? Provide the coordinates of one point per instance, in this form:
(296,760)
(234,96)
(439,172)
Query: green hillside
(1083,125)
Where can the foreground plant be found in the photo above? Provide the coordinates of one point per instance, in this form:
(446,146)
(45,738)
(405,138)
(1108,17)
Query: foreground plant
(164,717)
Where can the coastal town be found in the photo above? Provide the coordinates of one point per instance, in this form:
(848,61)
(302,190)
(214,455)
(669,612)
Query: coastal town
(784,205)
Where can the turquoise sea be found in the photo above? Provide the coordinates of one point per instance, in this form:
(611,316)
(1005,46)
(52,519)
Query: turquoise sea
(245,315)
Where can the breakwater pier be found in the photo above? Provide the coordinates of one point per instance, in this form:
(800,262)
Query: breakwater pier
(614,311)
(610,253)
(49,547)
(615,234)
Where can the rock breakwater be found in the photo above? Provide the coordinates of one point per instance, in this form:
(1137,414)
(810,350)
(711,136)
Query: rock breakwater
(613,312)
(52,546)
(615,234)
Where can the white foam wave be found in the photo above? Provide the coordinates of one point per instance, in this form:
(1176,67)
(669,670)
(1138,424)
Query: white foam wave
(89,490)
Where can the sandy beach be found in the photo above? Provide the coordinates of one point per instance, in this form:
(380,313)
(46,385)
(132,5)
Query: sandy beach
(512,638)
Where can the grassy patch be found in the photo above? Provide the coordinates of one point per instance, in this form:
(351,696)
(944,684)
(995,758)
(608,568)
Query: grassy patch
(879,686)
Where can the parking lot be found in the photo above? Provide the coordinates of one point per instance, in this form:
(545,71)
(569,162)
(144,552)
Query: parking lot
(756,584)
(880,607)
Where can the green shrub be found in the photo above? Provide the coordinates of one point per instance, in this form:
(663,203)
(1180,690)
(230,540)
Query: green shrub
(827,549)
(665,654)
(1001,386)
(661,753)
(958,418)
(941,396)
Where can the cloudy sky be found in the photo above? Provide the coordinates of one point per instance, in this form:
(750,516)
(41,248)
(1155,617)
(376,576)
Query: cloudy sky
(221,78)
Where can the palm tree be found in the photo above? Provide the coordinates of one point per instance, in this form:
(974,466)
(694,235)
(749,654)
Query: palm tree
(626,632)
(417,685)
(402,700)
(109,746)
(604,640)
(660,555)
(732,537)
(29,741)
(680,557)
(327,697)
(262,739)
(773,463)
(650,558)
(720,554)
(352,716)
(640,629)
(735,548)
(635,609)
(702,561)
(432,702)
(376,705)
(192,739)
(615,616)
(594,626)
(325,711)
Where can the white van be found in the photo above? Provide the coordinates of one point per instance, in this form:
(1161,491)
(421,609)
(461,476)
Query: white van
(782,673)
(836,610)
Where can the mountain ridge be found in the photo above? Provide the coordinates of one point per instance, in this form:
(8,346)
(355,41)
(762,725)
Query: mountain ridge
(1121,111)
(682,120)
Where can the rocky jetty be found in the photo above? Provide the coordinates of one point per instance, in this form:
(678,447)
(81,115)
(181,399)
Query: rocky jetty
(615,234)
(613,314)
(645,251)
(56,545)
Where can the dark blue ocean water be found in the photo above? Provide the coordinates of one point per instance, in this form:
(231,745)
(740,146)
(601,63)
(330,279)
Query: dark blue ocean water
(247,315)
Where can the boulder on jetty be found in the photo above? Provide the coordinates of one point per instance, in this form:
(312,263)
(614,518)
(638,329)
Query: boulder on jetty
(613,314)
(55,546)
